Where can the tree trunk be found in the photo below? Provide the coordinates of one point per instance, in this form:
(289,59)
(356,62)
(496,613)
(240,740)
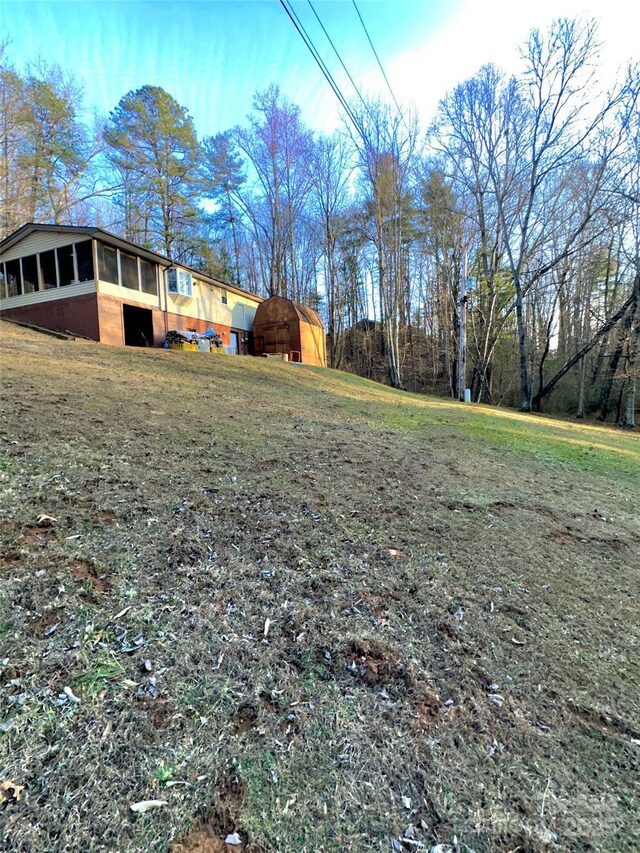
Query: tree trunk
(525,391)
(629,304)
(623,338)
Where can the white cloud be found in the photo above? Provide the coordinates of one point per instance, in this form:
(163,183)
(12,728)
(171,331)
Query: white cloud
(492,31)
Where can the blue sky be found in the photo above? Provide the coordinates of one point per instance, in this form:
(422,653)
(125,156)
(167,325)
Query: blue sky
(213,55)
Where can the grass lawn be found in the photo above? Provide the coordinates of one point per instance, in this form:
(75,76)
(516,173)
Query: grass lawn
(308,612)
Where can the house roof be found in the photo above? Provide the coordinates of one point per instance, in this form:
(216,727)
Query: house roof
(120,243)
(88,231)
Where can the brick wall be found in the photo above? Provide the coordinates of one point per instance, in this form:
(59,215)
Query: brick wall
(112,326)
(110,318)
(77,314)
(177,321)
(99,317)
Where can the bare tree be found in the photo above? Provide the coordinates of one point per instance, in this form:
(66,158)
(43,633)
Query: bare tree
(387,147)
(278,149)
(554,123)
(329,195)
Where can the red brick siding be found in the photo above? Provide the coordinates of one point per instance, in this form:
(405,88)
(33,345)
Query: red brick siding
(110,314)
(177,321)
(159,327)
(112,326)
(77,314)
(100,318)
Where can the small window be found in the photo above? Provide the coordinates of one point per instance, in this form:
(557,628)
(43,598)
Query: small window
(107,264)
(179,282)
(84,258)
(149,278)
(65,265)
(48,269)
(224,296)
(30,274)
(14,278)
(129,271)
(185,283)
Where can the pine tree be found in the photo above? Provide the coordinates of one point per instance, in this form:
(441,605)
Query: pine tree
(152,142)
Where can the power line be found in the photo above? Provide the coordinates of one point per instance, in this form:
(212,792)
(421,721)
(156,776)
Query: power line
(335,50)
(321,64)
(375,53)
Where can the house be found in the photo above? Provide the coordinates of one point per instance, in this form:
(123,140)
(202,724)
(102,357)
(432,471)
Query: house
(92,283)
(283,326)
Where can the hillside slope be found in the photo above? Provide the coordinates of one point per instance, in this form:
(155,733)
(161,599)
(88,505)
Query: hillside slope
(309,610)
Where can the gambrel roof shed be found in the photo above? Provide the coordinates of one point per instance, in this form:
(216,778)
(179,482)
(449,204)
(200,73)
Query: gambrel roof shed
(287,327)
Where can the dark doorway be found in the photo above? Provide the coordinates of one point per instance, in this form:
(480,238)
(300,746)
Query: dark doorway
(138,326)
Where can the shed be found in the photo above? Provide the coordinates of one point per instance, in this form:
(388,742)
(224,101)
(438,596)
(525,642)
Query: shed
(283,326)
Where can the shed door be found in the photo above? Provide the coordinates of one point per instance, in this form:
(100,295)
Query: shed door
(276,338)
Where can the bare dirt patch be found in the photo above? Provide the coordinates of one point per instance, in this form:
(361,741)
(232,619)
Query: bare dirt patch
(103,516)
(245,718)
(428,712)
(159,711)
(216,823)
(570,537)
(604,722)
(36,535)
(376,666)
(41,625)
(97,578)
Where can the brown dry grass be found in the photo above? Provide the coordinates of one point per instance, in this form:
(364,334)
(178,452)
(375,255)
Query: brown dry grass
(451,594)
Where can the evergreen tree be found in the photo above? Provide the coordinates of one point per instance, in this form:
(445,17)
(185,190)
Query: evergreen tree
(152,142)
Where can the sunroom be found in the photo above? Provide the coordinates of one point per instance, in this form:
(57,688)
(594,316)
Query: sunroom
(73,264)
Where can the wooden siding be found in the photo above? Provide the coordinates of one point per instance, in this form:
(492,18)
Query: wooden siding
(41,241)
(279,327)
(110,318)
(313,345)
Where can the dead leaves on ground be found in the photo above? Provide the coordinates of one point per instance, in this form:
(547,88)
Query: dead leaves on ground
(10,793)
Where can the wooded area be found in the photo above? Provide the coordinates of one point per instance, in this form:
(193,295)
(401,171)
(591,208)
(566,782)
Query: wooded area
(515,215)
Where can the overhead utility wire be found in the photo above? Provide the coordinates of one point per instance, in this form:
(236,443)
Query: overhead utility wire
(321,64)
(335,50)
(375,53)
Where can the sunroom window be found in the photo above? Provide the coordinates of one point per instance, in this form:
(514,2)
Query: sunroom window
(84,258)
(129,271)
(107,264)
(65,265)
(48,269)
(148,277)
(14,278)
(30,274)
